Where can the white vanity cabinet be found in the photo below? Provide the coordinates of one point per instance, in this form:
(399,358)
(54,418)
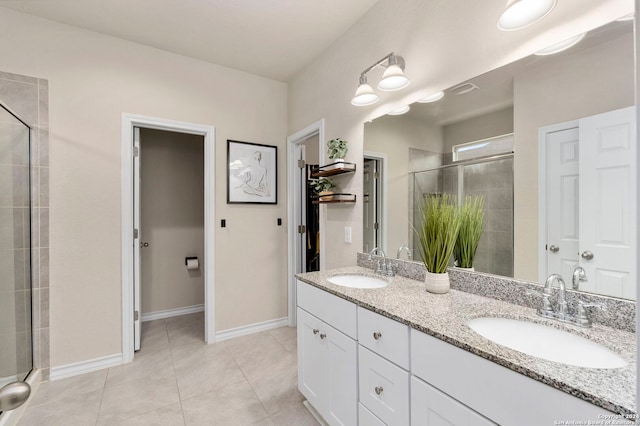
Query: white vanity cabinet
(327,354)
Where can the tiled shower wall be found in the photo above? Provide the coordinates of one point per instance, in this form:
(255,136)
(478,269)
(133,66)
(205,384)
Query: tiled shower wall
(28,97)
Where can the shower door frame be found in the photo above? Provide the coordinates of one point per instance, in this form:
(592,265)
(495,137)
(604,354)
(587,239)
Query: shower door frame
(30,235)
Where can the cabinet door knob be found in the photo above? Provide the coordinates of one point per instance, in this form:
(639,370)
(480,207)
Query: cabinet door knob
(316,331)
(378,390)
(322,335)
(377,335)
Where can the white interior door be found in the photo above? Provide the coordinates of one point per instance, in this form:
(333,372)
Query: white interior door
(562,183)
(137,238)
(608,180)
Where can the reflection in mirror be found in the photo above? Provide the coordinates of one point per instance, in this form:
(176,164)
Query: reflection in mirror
(485,136)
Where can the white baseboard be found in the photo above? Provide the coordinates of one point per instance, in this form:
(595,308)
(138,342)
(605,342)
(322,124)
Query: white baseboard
(75,369)
(250,329)
(151,316)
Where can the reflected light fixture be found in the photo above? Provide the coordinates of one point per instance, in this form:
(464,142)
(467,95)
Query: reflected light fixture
(399,111)
(521,13)
(563,45)
(393,78)
(432,98)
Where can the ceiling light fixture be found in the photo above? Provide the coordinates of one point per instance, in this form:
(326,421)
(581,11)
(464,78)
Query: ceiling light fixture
(432,98)
(392,79)
(402,110)
(563,45)
(521,13)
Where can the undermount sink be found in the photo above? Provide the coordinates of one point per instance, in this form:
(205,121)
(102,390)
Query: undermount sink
(357,281)
(546,342)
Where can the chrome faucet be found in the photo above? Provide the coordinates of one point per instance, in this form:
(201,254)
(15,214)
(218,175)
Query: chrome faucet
(561,312)
(579,276)
(382,266)
(409,256)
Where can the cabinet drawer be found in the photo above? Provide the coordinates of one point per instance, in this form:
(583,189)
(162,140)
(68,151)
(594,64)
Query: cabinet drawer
(429,406)
(384,336)
(384,388)
(366,417)
(333,310)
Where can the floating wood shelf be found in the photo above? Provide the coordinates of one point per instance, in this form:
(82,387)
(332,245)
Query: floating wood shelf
(337,197)
(334,169)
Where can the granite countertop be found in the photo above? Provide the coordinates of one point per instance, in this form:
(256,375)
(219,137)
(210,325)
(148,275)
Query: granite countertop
(445,317)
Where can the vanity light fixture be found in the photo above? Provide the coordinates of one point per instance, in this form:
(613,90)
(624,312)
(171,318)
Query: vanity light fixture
(393,78)
(364,93)
(563,45)
(521,13)
(432,98)
(399,111)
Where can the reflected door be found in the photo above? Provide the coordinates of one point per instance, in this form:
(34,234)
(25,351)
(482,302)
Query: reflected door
(372,208)
(562,197)
(608,179)
(15,250)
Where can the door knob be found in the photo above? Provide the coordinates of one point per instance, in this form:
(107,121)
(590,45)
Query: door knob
(554,248)
(587,255)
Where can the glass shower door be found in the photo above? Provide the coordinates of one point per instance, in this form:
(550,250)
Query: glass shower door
(16,359)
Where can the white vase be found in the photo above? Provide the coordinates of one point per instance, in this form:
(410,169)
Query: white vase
(436,283)
(466,269)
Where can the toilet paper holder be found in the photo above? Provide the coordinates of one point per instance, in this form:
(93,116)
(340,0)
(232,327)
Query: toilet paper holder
(187,259)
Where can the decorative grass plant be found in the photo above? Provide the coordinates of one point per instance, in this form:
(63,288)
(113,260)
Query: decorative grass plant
(437,232)
(471,227)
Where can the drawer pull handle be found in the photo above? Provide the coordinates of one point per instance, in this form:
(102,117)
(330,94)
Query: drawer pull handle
(316,331)
(322,335)
(377,335)
(379,389)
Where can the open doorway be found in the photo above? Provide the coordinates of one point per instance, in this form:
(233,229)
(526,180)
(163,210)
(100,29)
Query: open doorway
(131,232)
(305,152)
(170,297)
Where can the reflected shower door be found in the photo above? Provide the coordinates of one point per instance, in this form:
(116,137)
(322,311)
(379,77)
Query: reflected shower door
(16,359)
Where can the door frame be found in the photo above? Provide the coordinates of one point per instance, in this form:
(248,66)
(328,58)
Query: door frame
(542,191)
(129,121)
(294,203)
(384,210)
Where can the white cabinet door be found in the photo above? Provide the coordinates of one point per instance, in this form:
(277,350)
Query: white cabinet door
(342,375)
(312,381)
(430,407)
(327,370)
(608,184)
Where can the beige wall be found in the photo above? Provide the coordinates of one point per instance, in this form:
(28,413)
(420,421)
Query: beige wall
(394,135)
(485,126)
(172,210)
(565,88)
(93,79)
(443,43)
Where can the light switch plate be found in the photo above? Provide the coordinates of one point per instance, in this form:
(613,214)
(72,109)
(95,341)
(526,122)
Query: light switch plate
(347,234)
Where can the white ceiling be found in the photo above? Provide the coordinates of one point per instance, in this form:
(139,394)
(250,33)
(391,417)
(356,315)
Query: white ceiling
(271,38)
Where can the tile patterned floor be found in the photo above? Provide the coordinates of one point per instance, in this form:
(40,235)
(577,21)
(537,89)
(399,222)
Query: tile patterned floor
(176,379)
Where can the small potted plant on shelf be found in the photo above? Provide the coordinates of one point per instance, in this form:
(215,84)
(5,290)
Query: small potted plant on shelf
(323,188)
(437,233)
(337,149)
(471,227)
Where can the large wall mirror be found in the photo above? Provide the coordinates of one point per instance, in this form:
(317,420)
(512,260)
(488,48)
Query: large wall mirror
(548,141)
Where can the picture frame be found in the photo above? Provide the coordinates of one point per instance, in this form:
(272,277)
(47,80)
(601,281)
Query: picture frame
(252,173)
